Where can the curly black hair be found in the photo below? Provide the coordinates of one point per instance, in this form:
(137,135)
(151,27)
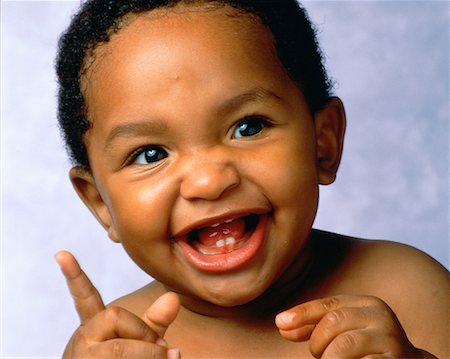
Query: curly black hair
(294,40)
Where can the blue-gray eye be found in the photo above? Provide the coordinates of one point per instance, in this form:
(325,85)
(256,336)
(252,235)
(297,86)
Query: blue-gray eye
(150,155)
(249,127)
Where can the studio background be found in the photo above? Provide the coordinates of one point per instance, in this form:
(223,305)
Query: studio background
(390,61)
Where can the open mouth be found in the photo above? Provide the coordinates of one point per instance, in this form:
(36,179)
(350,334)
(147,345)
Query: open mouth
(223,237)
(226,245)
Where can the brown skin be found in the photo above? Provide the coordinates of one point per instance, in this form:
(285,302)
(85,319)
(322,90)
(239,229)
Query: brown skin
(345,298)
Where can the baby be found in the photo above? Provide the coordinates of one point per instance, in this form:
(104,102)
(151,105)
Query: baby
(200,132)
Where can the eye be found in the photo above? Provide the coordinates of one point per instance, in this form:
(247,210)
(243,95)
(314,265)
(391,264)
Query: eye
(250,126)
(149,155)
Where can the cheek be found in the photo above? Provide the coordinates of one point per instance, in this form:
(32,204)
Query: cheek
(141,213)
(289,181)
(286,171)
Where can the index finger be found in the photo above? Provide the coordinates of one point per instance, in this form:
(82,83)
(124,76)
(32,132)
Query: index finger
(87,299)
(310,313)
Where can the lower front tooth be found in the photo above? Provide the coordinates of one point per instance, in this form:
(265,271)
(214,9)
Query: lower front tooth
(230,240)
(220,243)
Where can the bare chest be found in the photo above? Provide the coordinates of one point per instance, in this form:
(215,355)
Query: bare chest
(236,344)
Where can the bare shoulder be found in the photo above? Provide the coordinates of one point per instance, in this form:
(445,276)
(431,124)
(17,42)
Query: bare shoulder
(418,290)
(382,261)
(138,301)
(414,285)
(401,269)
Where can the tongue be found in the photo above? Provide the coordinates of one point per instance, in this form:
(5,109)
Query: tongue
(209,236)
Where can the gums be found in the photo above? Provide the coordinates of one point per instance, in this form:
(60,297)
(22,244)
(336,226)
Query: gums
(223,237)
(230,254)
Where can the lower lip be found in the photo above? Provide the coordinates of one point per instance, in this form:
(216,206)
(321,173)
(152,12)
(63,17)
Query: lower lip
(227,261)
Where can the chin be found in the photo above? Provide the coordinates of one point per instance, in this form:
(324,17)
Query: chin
(230,302)
(226,294)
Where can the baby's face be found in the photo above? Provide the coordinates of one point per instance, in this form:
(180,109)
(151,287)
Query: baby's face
(203,152)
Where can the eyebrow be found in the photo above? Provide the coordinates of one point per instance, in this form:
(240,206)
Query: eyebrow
(143,128)
(256,94)
(134,129)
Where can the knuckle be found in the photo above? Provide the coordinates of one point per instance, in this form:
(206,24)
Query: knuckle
(330,303)
(333,320)
(157,352)
(152,353)
(84,293)
(344,343)
(112,314)
(118,350)
(146,332)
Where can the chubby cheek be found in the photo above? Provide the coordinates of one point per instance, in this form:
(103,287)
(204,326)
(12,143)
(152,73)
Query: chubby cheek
(289,180)
(141,215)
(287,174)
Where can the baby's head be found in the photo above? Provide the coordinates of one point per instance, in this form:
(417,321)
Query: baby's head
(200,131)
(293,38)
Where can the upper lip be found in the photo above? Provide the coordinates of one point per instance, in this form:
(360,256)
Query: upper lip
(217,219)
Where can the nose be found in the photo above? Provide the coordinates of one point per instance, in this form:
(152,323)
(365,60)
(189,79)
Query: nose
(208,177)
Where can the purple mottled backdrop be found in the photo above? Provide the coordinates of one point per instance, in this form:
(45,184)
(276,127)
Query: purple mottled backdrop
(390,60)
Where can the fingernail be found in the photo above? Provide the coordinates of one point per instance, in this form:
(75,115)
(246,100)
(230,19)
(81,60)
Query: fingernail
(285,317)
(56,256)
(161,342)
(173,353)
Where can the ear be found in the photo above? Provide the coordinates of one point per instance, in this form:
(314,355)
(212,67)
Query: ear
(330,129)
(86,188)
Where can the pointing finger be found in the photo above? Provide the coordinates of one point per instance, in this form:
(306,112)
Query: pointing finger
(86,297)
(312,312)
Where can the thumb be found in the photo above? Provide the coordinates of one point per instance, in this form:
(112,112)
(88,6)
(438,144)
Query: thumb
(162,313)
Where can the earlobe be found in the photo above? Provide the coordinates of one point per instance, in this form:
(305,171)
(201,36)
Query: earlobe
(112,233)
(330,125)
(86,188)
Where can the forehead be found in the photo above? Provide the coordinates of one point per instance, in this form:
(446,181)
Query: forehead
(196,51)
(212,25)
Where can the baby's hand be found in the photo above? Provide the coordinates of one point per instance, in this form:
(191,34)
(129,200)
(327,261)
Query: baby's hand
(115,332)
(348,326)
